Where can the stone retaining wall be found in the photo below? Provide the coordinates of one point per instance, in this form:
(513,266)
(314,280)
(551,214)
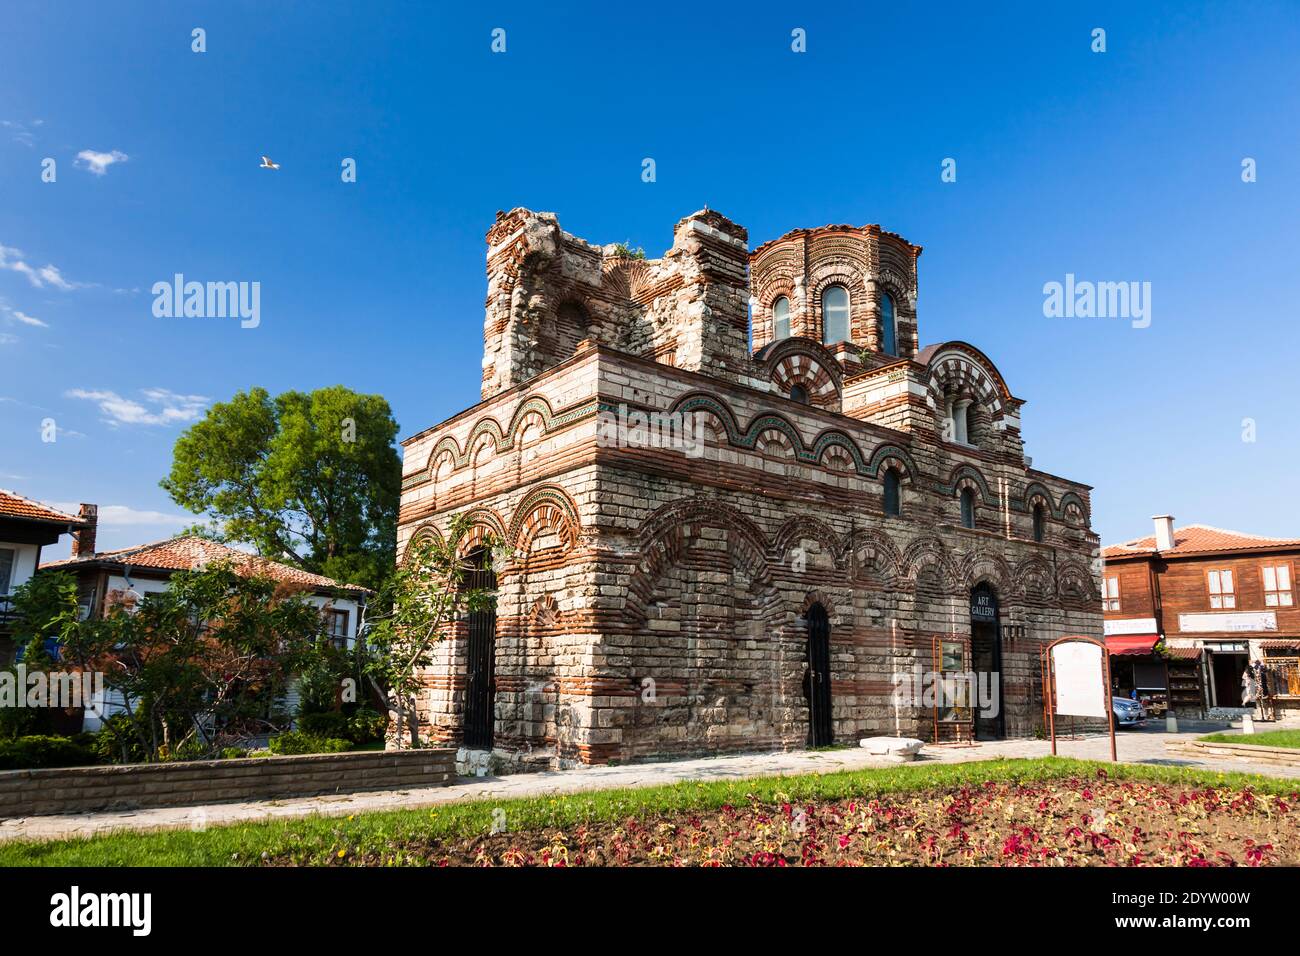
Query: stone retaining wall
(138,786)
(1275,756)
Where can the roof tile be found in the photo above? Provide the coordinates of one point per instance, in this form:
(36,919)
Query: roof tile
(1196,538)
(189,552)
(14,505)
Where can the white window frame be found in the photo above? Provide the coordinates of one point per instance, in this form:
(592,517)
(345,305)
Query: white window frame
(1110,592)
(1222,589)
(1279,584)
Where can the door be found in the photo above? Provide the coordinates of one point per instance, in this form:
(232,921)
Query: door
(986,658)
(1228,669)
(481,653)
(817,678)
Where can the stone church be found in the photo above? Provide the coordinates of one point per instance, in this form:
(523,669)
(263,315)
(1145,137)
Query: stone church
(729,502)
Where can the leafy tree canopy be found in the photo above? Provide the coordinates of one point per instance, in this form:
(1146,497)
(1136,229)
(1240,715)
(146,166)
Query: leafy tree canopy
(310,479)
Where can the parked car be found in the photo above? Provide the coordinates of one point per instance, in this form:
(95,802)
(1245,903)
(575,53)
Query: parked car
(1128,713)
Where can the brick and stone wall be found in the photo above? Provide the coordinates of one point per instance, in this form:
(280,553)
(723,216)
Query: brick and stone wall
(653,601)
(140,786)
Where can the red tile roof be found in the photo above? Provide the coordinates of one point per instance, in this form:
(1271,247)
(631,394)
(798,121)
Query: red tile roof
(189,552)
(14,505)
(1195,538)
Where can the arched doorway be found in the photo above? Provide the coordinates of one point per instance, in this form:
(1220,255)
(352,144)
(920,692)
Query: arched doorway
(986,659)
(480,688)
(817,678)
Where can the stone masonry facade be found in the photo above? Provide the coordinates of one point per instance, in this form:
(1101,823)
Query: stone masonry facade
(654,595)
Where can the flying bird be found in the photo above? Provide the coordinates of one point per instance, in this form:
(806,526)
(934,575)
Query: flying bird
(267,164)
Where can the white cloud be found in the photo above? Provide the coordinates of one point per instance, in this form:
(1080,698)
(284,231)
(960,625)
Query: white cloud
(26,319)
(98,163)
(14,260)
(122,516)
(7,339)
(162,407)
(21,132)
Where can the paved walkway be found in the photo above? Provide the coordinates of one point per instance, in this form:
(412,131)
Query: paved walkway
(1142,747)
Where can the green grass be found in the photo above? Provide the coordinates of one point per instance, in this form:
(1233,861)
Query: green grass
(1270,738)
(317,839)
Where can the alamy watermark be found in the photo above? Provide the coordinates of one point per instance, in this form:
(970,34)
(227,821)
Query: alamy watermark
(632,428)
(208,300)
(976,690)
(1083,299)
(60,689)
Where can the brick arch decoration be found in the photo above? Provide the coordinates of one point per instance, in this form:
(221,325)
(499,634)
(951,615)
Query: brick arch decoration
(833,438)
(1035,578)
(988,567)
(968,476)
(716,407)
(1075,585)
(484,524)
(664,537)
(773,285)
(802,527)
(799,368)
(544,508)
(826,601)
(531,409)
(890,282)
(544,615)
(930,551)
(874,550)
(808,454)
(1035,493)
(424,532)
(967,372)
(895,456)
(1073,511)
(836,271)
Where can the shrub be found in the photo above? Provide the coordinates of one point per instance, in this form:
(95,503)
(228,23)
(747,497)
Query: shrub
(295,742)
(26,753)
(362,726)
(331,723)
(233,753)
(366,726)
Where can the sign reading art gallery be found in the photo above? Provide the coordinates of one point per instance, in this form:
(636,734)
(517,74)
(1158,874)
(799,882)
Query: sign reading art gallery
(983,606)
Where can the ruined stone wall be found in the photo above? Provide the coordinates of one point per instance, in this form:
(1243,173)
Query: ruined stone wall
(549,290)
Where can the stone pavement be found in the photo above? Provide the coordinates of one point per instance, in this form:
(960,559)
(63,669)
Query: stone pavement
(1142,747)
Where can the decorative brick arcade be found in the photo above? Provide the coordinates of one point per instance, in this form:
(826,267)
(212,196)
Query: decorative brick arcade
(661,598)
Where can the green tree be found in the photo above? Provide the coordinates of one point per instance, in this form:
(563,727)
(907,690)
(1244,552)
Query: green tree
(310,479)
(411,615)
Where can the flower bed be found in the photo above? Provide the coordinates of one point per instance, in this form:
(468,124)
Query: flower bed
(1079,821)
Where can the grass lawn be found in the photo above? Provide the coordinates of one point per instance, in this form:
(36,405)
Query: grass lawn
(1270,738)
(647,821)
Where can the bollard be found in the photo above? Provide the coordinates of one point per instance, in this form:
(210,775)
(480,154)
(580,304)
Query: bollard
(1247,724)
(1171,723)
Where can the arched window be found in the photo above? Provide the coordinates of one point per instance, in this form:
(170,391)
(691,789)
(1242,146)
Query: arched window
(835,315)
(893,493)
(781,319)
(1040,523)
(888,330)
(799,394)
(967,508)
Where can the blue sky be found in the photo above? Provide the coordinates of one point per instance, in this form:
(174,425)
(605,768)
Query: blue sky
(1115,166)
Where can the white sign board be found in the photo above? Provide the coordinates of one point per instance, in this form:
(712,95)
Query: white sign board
(1130,625)
(1224,622)
(1080,679)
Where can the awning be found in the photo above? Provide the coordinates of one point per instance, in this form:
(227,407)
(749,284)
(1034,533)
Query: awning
(1131,643)
(1184,653)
